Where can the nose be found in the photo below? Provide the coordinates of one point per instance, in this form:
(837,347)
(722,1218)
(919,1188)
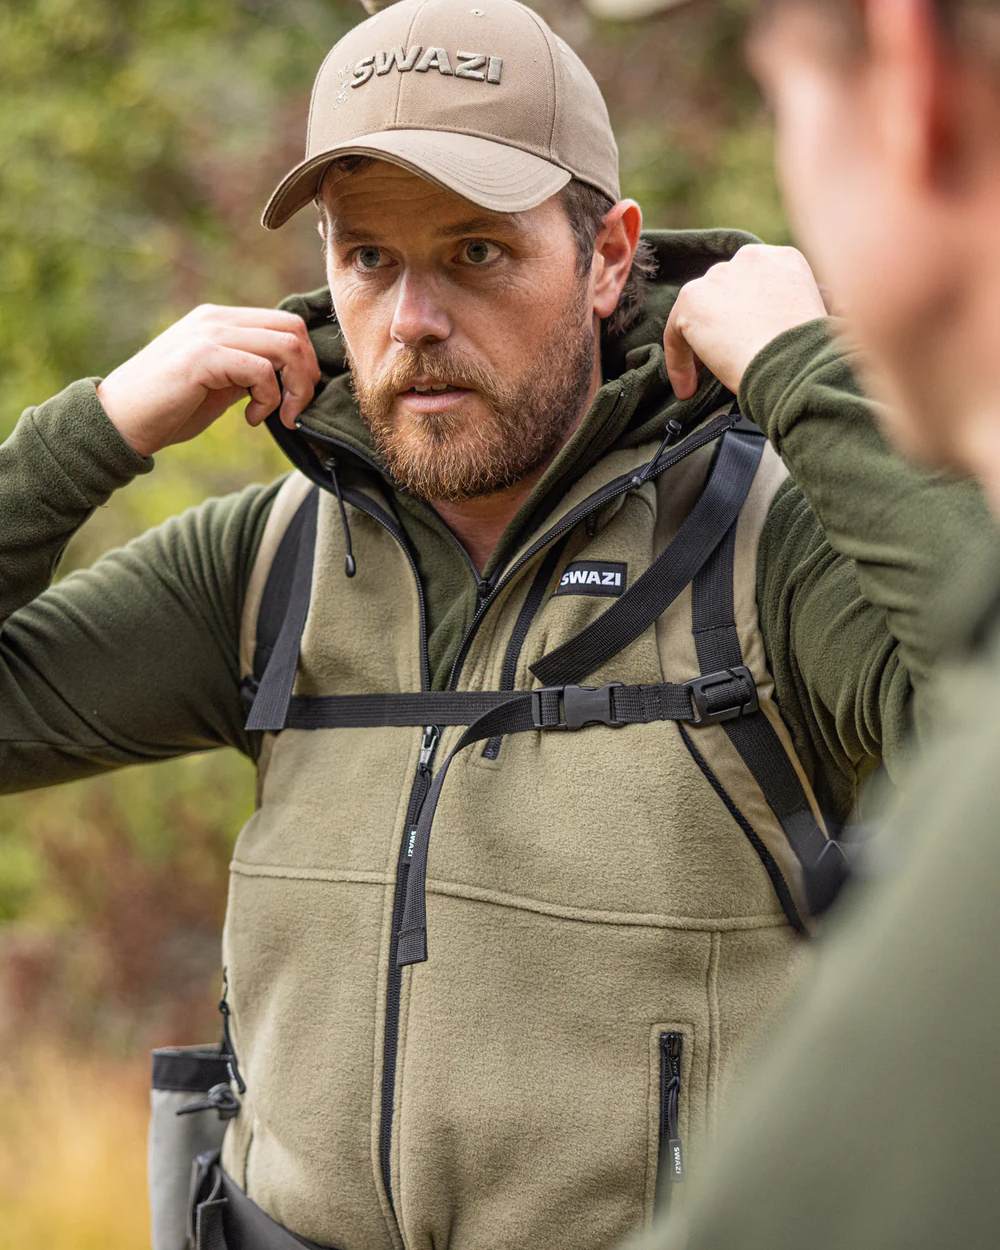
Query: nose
(419,317)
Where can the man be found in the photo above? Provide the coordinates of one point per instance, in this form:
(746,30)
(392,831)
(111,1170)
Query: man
(874,1122)
(503,525)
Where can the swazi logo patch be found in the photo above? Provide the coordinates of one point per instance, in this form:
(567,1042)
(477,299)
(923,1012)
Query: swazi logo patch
(593,577)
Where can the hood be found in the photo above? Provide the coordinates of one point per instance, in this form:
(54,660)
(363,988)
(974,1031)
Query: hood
(631,407)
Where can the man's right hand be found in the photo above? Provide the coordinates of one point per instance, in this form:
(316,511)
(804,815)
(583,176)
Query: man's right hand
(197,368)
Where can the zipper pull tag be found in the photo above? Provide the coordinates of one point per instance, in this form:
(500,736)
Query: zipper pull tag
(427,745)
(675,1153)
(232,1063)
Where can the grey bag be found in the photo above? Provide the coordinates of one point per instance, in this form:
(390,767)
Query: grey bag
(191,1104)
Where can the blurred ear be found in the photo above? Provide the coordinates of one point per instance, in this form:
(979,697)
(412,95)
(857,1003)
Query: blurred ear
(614,250)
(912,80)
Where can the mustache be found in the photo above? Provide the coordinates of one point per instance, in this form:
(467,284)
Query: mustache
(376,395)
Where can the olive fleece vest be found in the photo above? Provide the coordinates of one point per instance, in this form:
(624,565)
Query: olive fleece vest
(608,912)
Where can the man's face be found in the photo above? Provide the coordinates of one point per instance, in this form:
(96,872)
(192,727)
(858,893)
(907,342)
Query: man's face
(470,334)
(871,229)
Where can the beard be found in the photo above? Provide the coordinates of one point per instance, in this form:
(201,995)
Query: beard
(459,455)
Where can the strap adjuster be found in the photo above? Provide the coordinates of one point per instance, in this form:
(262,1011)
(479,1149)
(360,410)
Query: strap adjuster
(576,706)
(699,687)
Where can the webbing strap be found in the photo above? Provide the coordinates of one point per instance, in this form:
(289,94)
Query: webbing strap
(274,693)
(706,698)
(512,716)
(717,643)
(721,696)
(277,589)
(670,573)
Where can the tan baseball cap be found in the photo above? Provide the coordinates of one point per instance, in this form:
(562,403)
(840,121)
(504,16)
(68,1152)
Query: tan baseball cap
(479,96)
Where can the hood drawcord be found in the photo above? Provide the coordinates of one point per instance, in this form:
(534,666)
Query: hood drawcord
(674,430)
(350,564)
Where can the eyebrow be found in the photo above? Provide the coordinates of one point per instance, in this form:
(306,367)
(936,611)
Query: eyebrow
(497,222)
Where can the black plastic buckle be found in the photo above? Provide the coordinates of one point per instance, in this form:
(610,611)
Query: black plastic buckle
(578,706)
(698,687)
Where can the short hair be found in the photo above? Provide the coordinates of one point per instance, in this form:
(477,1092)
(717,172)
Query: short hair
(586,208)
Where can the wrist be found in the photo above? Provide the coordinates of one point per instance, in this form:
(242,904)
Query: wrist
(775,367)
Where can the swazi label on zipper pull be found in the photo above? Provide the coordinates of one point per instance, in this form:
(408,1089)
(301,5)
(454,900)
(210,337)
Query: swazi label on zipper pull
(593,577)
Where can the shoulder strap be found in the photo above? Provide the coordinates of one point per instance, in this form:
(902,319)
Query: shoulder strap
(285,600)
(278,589)
(671,572)
(824,866)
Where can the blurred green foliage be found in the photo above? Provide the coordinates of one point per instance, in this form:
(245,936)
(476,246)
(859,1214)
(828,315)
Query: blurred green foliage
(139,140)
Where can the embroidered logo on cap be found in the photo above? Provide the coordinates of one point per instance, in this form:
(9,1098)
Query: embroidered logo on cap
(593,577)
(478,66)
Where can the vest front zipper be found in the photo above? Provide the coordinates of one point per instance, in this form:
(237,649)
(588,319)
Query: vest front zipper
(488,589)
(390,1049)
(670,1167)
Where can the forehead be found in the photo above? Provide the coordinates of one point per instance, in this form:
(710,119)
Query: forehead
(382,199)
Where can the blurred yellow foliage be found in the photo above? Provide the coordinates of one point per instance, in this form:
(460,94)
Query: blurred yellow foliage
(72,1153)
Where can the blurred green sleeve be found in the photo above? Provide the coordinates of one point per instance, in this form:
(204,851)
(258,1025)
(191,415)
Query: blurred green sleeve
(857,559)
(135,658)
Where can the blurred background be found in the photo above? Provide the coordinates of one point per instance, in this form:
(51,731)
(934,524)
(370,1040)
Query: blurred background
(139,140)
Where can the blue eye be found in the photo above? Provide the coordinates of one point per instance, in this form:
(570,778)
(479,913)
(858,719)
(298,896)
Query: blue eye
(368,258)
(479,252)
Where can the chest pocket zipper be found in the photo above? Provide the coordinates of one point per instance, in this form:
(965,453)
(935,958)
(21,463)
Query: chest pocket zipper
(670,1168)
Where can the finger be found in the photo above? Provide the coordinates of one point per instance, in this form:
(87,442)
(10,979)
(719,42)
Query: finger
(222,367)
(681,363)
(291,355)
(262,318)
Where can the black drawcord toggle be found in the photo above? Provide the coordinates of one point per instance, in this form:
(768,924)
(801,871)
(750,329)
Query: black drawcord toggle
(350,564)
(673,432)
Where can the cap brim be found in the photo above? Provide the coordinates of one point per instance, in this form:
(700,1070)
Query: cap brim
(490,174)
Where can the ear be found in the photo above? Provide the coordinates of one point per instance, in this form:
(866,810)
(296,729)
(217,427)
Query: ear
(614,250)
(911,80)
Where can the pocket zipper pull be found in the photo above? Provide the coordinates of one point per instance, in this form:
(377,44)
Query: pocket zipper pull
(671,1148)
(227,1039)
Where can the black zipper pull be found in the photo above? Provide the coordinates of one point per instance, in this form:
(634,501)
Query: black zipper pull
(227,1038)
(674,429)
(671,1165)
(484,588)
(427,747)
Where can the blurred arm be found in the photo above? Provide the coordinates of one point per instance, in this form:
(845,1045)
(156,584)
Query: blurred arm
(857,554)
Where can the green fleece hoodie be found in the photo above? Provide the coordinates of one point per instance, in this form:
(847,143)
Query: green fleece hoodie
(850,554)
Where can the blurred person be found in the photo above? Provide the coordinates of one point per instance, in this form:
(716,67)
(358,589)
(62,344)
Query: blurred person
(509,1034)
(873,1121)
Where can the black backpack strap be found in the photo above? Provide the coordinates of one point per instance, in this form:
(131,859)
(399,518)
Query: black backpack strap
(671,572)
(277,591)
(717,696)
(701,701)
(824,866)
(285,599)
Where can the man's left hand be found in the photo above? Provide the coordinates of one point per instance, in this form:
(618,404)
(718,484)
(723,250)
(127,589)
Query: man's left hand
(727,316)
